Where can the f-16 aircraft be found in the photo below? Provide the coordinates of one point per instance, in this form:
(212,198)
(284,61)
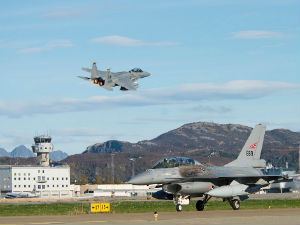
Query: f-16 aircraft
(108,79)
(182,178)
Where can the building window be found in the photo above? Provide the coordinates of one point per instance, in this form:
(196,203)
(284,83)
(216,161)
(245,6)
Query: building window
(62,178)
(56,178)
(62,185)
(67,185)
(19,178)
(19,174)
(52,178)
(24,174)
(34,178)
(28,174)
(24,185)
(57,185)
(28,178)
(47,178)
(47,185)
(24,178)
(39,177)
(43,186)
(43,171)
(29,186)
(39,186)
(15,178)
(66,178)
(19,185)
(53,185)
(39,171)
(15,185)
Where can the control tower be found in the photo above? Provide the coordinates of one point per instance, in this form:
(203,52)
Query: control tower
(42,146)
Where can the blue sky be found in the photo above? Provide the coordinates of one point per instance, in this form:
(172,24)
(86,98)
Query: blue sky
(221,61)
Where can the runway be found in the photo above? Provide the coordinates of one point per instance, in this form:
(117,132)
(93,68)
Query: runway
(224,217)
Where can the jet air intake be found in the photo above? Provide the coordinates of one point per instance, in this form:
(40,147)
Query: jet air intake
(233,190)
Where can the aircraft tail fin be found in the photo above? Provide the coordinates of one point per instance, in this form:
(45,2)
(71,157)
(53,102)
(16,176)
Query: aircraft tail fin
(94,73)
(250,153)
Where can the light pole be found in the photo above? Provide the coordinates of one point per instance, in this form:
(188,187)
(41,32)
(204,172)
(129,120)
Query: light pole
(112,168)
(132,162)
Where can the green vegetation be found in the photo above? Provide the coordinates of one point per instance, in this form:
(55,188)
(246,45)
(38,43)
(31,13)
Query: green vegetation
(44,209)
(135,207)
(168,206)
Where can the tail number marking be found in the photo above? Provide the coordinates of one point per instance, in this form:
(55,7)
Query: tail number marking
(249,153)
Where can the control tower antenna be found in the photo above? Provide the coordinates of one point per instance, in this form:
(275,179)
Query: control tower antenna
(42,146)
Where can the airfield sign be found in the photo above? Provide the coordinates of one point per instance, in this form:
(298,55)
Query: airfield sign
(99,207)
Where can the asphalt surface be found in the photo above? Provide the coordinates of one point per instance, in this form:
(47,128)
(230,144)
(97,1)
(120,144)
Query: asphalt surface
(224,217)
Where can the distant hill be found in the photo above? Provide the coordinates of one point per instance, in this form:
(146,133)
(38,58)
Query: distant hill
(21,151)
(3,153)
(58,155)
(195,140)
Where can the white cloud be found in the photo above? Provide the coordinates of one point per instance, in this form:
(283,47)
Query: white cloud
(256,34)
(128,42)
(48,46)
(62,15)
(186,93)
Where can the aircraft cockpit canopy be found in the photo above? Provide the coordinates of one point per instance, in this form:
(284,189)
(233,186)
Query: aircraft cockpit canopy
(175,161)
(136,70)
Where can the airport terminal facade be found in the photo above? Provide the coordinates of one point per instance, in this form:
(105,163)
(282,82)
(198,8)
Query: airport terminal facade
(34,179)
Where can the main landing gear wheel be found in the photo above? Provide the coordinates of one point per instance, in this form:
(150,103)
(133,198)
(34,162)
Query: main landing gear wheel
(235,204)
(200,205)
(179,208)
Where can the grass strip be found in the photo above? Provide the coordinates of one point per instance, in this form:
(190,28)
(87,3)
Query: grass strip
(136,207)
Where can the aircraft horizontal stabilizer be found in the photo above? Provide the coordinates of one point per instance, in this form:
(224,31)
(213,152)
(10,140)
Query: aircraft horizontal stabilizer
(84,78)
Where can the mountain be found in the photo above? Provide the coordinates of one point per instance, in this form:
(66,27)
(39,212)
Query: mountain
(195,140)
(3,153)
(21,151)
(57,155)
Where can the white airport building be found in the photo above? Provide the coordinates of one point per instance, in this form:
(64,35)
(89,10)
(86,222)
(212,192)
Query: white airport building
(118,190)
(43,180)
(35,179)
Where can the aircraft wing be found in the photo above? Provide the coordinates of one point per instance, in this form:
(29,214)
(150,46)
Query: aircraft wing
(107,87)
(84,78)
(124,82)
(86,69)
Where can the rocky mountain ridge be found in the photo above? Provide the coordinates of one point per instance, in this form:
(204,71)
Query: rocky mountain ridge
(206,142)
(22,152)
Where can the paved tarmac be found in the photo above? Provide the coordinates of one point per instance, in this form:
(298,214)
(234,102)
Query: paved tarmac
(224,217)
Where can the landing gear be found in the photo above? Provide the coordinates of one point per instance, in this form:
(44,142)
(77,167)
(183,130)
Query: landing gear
(178,208)
(180,200)
(201,203)
(235,204)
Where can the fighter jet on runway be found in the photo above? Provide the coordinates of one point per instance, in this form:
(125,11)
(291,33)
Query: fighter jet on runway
(108,79)
(182,178)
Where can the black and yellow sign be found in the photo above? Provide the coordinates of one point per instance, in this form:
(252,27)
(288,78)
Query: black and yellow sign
(100,207)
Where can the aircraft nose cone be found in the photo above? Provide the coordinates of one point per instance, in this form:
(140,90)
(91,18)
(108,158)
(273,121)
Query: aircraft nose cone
(142,178)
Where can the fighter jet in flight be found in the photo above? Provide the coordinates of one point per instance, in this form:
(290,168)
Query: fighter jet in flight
(182,178)
(108,79)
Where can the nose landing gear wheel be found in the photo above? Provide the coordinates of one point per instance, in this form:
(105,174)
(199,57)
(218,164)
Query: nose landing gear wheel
(235,204)
(179,208)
